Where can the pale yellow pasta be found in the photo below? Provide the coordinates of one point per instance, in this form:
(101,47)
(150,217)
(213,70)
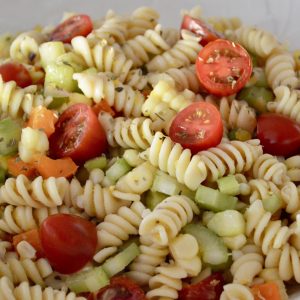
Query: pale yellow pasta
(265,233)
(293,167)
(37,193)
(236,291)
(122,97)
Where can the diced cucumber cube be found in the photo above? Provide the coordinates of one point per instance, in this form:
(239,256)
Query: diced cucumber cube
(154,198)
(10,135)
(117,170)
(214,200)
(2,175)
(119,262)
(88,281)
(73,60)
(212,248)
(50,51)
(227,223)
(96,163)
(229,185)
(272,203)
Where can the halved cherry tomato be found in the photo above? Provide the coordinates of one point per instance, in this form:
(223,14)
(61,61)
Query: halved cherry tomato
(278,134)
(69,242)
(120,288)
(208,289)
(16,72)
(198,127)
(223,67)
(73,26)
(200,28)
(33,238)
(78,134)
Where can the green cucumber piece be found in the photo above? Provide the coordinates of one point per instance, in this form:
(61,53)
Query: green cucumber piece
(227,223)
(272,203)
(239,134)
(60,77)
(57,102)
(2,175)
(212,248)
(96,163)
(258,78)
(10,135)
(50,51)
(88,281)
(229,185)
(221,267)
(214,200)
(72,60)
(117,170)
(257,97)
(82,175)
(119,262)
(153,198)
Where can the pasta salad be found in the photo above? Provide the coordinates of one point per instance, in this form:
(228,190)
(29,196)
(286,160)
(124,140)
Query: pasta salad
(143,162)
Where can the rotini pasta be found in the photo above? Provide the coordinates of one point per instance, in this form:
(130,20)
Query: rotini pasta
(182,54)
(121,97)
(256,40)
(265,233)
(286,103)
(37,193)
(280,70)
(170,157)
(167,219)
(236,291)
(293,167)
(141,47)
(225,24)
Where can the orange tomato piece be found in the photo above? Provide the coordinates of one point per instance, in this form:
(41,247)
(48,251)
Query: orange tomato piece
(33,238)
(17,167)
(48,167)
(267,291)
(42,118)
(103,106)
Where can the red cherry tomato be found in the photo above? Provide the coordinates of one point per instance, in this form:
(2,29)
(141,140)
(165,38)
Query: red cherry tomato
(198,127)
(200,28)
(278,134)
(223,67)
(69,242)
(73,26)
(120,288)
(16,72)
(208,289)
(78,134)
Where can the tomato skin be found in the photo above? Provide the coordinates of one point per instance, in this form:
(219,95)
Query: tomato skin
(69,242)
(188,125)
(278,134)
(78,135)
(120,288)
(223,67)
(72,27)
(200,28)
(208,289)
(16,72)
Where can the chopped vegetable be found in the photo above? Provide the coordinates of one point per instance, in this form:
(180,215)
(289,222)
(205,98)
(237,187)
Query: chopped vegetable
(15,167)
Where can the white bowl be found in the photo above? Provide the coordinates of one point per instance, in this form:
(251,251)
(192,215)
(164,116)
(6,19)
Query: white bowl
(278,16)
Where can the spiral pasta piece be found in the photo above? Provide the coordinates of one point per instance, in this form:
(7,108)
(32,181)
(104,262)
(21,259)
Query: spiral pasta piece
(223,25)
(184,78)
(37,193)
(182,54)
(19,270)
(280,70)
(116,228)
(167,219)
(142,19)
(167,282)
(286,261)
(4,247)
(15,101)
(290,196)
(25,47)
(287,102)
(269,168)
(143,267)
(17,219)
(103,57)
(6,289)
(93,199)
(134,133)
(171,36)
(230,158)
(170,157)
(122,97)
(136,79)
(113,29)
(293,167)
(236,291)
(257,41)
(265,233)
(141,47)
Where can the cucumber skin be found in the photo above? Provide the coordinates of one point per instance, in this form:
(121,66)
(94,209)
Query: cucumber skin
(10,133)
(117,170)
(209,244)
